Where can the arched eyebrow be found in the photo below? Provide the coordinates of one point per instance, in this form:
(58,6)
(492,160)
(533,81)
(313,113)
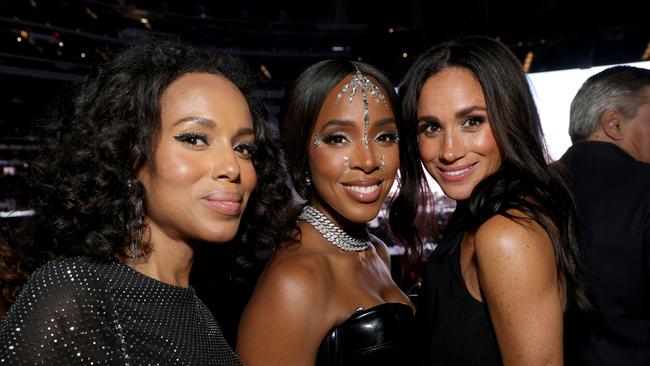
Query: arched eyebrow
(347,123)
(428,119)
(461,113)
(245,132)
(337,122)
(384,122)
(208,123)
(465,111)
(205,122)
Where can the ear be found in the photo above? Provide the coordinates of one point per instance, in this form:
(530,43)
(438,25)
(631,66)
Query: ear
(612,124)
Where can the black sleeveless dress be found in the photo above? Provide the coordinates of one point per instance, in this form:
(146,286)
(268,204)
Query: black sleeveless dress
(453,328)
(376,336)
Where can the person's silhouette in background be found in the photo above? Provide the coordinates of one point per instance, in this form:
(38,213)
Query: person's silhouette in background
(609,161)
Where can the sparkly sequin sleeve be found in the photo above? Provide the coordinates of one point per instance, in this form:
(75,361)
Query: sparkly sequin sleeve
(62,317)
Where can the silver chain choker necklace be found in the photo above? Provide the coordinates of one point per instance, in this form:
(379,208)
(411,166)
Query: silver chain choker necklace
(333,233)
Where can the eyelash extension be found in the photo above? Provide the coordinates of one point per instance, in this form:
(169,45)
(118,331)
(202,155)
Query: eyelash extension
(422,128)
(475,119)
(392,137)
(335,139)
(191,138)
(250,147)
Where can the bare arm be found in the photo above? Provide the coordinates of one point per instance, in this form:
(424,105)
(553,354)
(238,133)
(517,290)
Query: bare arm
(518,280)
(286,318)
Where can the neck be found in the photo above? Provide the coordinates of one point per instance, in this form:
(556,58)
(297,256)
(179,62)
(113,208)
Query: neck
(350,227)
(334,234)
(170,260)
(602,137)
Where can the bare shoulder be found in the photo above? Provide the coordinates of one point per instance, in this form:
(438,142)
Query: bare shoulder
(295,277)
(290,305)
(519,237)
(514,254)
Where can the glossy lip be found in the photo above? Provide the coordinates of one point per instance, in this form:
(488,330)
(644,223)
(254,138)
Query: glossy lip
(224,202)
(374,185)
(457,173)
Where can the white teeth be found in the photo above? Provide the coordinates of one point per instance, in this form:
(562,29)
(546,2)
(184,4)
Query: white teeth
(364,190)
(457,172)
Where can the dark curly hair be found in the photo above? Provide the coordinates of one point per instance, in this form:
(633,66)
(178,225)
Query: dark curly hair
(12,273)
(84,202)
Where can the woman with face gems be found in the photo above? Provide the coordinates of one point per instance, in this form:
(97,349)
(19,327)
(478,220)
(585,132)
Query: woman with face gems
(157,159)
(496,290)
(327,296)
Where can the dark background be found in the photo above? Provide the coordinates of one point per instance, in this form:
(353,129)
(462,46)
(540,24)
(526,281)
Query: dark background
(46,47)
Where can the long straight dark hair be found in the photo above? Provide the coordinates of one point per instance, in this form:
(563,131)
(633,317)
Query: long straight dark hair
(525,181)
(304,102)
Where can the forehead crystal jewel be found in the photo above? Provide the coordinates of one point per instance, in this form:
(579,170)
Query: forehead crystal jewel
(365,85)
(362,83)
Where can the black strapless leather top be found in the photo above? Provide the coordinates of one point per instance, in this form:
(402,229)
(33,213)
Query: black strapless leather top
(375,336)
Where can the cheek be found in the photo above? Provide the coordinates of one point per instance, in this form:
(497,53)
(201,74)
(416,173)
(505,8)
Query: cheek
(486,145)
(178,166)
(326,162)
(428,149)
(391,158)
(248,177)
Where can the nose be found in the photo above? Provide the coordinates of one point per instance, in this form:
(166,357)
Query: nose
(225,164)
(453,148)
(363,158)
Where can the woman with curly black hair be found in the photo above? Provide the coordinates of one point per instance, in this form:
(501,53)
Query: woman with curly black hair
(165,152)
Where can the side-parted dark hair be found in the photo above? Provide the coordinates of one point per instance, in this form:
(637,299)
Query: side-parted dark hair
(304,102)
(525,181)
(80,184)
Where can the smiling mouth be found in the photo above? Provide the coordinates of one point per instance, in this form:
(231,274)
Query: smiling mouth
(456,175)
(363,189)
(366,192)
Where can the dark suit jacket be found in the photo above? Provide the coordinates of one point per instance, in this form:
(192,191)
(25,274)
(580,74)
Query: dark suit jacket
(614,213)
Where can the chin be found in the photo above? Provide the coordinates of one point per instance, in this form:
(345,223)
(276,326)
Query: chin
(221,234)
(363,215)
(457,194)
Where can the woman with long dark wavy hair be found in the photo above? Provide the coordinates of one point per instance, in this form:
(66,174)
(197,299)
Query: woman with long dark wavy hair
(163,153)
(496,290)
(327,296)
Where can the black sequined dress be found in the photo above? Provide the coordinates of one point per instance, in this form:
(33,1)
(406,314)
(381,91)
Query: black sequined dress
(81,312)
